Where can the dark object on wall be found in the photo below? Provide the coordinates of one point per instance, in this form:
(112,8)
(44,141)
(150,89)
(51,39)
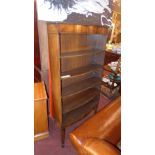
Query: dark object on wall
(59,4)
(84,12)
(76,58)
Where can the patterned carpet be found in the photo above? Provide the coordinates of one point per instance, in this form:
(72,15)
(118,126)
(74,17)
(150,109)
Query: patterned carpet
(52,145)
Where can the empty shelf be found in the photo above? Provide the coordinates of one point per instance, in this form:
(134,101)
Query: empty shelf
(79,113)
(80,86)
(78,100)
(81,53)
(81,71)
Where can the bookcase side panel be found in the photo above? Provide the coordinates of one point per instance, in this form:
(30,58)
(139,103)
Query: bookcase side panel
(54,55)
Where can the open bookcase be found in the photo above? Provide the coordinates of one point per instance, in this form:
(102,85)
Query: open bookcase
(76,60)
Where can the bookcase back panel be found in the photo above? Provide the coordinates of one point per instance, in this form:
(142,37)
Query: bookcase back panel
(77,42)
(97,41)
(67,81)
(98,59)
(75,62)
(74,42)
(70,63)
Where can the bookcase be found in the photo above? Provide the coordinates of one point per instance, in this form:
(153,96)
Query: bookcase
(76,56)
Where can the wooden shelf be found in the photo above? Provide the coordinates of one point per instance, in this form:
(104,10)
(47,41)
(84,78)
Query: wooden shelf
(80,86)
(82,70)
(78,100)
(79,113)
(81,53)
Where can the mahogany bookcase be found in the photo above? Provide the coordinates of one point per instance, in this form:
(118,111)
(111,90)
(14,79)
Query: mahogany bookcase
(76,55)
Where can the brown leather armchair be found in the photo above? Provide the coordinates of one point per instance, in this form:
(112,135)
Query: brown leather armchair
(100,134)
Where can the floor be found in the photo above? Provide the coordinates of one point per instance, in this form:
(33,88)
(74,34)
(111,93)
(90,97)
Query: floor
(52,145)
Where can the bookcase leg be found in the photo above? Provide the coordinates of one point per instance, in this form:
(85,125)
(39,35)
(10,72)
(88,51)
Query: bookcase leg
(95,109)
(62,137)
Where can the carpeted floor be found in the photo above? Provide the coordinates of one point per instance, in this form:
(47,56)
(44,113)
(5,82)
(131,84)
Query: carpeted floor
(52,145)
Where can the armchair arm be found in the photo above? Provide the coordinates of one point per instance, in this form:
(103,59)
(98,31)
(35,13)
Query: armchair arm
(106,124)
(94,146)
